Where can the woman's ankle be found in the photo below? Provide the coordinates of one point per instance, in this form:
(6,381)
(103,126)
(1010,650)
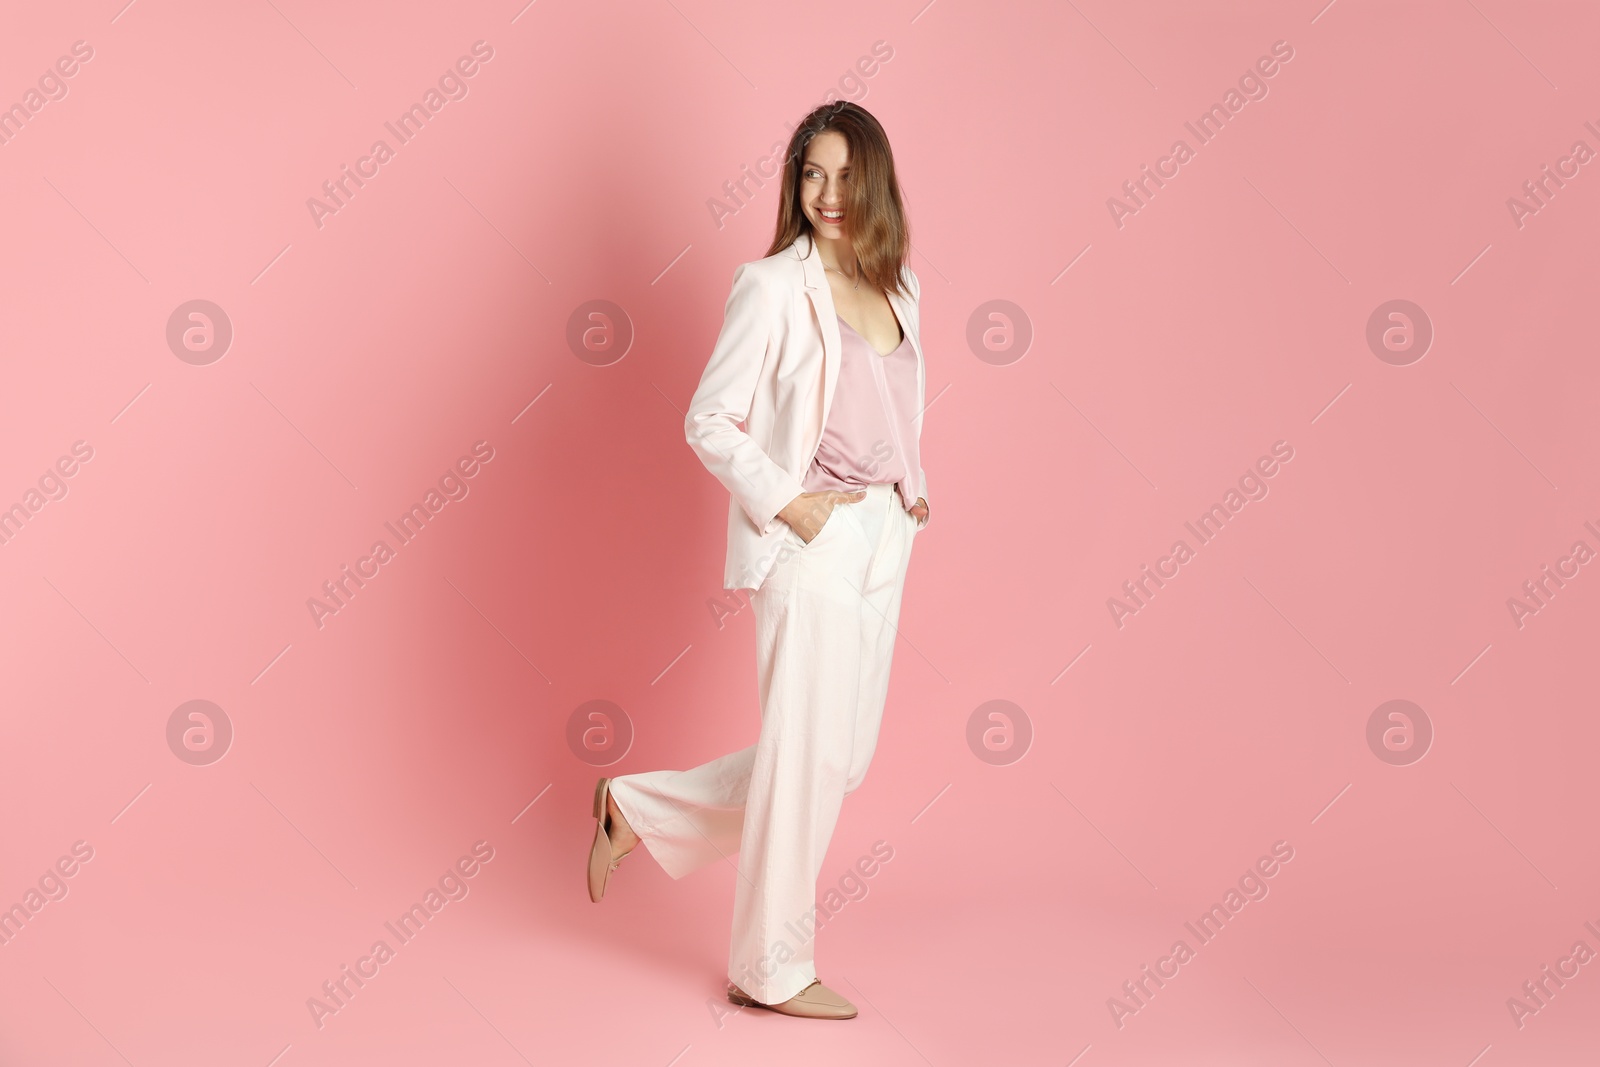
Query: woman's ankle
(622,831)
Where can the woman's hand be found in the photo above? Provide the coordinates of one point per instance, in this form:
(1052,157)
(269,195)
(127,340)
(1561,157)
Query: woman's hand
(919,511)
(808,511)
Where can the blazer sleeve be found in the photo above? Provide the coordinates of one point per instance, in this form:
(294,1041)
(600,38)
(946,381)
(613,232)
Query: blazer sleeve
(759,485)
(916,302)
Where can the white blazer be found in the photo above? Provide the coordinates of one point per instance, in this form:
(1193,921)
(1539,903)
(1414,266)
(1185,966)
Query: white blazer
(774,368)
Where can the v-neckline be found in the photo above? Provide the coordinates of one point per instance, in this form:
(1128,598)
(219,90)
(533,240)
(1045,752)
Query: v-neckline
(858,333)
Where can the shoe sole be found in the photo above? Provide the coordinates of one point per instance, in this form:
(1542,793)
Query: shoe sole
(599,875)
(748,1002)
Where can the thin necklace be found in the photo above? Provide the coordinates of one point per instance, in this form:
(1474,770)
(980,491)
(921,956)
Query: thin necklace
(842,274)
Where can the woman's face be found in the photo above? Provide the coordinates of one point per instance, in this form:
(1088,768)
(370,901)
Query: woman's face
(823,178)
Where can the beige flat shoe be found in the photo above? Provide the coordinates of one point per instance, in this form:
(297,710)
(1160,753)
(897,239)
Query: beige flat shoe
(815,1001)
(600,865)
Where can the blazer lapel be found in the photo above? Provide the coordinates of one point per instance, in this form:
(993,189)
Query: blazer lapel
(816,283)
(902,309)
(910,324)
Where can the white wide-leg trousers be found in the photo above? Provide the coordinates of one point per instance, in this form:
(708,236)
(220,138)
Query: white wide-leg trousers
(825,634)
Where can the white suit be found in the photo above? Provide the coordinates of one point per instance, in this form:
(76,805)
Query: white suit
(826,613)
(774,368)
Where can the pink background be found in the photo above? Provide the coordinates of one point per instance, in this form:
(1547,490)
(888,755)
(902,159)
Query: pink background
(431,312)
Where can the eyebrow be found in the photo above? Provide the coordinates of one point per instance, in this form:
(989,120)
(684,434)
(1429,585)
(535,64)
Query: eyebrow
(812,163)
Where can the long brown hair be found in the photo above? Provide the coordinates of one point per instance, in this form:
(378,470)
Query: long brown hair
(878,231)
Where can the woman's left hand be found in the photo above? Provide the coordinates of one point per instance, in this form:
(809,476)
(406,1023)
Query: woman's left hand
(919,511)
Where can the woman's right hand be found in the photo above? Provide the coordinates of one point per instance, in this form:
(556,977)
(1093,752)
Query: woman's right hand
(808,512)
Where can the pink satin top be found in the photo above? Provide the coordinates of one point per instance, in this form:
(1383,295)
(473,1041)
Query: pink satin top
(870,436)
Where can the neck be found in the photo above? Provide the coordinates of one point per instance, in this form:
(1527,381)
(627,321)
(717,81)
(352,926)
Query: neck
(836,252)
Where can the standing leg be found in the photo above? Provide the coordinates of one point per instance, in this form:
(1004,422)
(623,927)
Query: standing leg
(811,618)
(880,593)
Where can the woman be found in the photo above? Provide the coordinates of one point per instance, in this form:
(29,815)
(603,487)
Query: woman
(819,358)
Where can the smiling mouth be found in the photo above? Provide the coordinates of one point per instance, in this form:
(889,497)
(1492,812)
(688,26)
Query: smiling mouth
(833,217)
